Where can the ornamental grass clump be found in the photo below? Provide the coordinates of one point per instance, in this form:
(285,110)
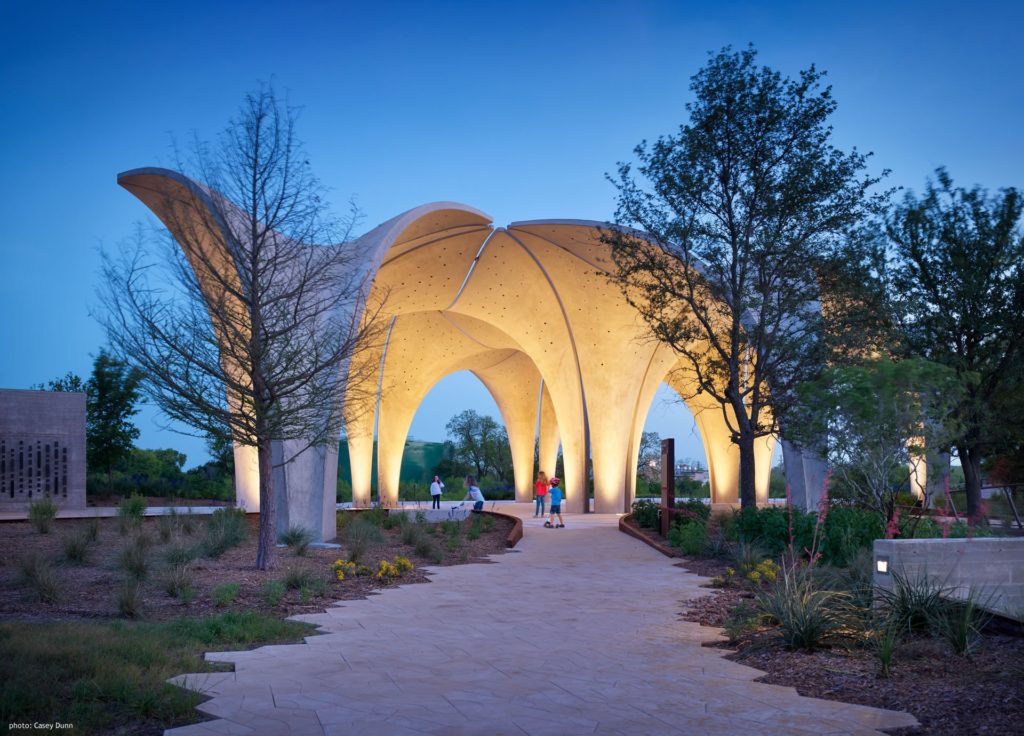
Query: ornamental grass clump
(41,513)
(40,578)
(77,547)
(225,528)
(130,600)
(130,512)
(359,535)
(804,614)
(134,558)
(177,583)
(412,534)
(913,601)
(298,539)
(225,594)
(960,622)
(273,592)
(297,578)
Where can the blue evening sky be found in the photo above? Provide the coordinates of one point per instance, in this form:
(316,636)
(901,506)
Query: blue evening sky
(516,108)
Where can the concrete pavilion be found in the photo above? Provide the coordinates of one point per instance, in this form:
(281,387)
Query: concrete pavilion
(528,310)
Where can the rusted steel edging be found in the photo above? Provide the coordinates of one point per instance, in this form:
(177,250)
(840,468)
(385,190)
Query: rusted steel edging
(632,531)
(517,528)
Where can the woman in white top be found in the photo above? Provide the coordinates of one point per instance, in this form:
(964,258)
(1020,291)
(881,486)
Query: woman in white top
(436,489)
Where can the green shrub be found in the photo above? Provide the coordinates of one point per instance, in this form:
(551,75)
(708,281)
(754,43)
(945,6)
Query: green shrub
(647,514)
(135,558)
(130,512)
(76,547)
(41,513)
(273,592)
(297,538)
(225,594)
(430,551)
(488,523)
(376,516)
(129,600)
(473,533)
(451,528)
(225,528)
(177,583)
(40,578)
(804,614)
(769,528)
(412,534)
(359,535)
(716,543)
(847,532)
(453,544)
(694,509)
(689,536)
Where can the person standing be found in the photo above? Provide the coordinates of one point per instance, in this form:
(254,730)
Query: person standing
(540,493)
(556,505)
(436,489)
(475,494)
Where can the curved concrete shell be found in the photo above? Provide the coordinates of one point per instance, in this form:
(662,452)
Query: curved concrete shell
(528,309)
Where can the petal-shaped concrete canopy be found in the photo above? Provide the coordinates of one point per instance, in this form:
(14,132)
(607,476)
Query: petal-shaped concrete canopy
(528,308)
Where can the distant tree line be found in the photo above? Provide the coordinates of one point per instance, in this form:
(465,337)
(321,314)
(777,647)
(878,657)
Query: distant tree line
(115,467)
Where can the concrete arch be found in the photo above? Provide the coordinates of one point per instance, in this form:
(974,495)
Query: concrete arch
(529,309)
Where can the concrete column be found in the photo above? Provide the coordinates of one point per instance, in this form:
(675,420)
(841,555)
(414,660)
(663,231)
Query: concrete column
(548,437)
(301,475)
(247,478)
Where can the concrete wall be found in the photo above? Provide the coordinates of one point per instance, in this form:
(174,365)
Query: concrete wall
(993,567)
(42,448)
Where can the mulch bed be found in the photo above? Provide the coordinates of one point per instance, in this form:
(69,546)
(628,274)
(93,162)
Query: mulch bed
(89,591)
(948,694)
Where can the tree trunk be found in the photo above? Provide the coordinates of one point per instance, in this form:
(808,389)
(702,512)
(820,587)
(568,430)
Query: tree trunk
(970,459)
(748,487)
(266,551)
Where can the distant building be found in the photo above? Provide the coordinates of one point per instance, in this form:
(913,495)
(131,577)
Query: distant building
(692,471)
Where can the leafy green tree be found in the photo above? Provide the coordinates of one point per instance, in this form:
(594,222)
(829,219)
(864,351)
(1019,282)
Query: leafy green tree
(112,393)
(69,382)
(958,286)
(875,421)
(736,212)
(111,397)
(481,444)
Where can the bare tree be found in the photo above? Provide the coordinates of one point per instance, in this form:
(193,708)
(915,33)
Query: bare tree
(736,212)
(243,323)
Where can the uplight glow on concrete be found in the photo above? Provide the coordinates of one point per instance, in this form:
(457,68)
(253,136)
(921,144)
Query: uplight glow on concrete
(530,311)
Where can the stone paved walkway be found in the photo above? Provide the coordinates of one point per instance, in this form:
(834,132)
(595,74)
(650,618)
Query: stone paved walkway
(575,632)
